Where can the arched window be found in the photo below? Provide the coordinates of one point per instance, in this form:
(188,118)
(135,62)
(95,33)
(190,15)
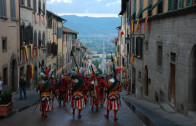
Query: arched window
(35,38)
(39,38)
(43,9)
(43,39)
(35,5)
(40,7)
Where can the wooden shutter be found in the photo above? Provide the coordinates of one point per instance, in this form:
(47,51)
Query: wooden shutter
(128,9)
(180,4)
(133,45)
(3,10)
(35,38)
(189,2)
(43,8)
(170,5)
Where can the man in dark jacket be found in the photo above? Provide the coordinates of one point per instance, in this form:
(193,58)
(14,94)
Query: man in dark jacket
(22,84)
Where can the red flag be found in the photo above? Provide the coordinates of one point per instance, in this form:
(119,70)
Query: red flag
(146,21)
(121,34)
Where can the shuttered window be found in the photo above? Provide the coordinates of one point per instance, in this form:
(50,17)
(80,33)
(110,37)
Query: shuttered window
(141,7)
(44,9)
(12,9)
(39,7)
(128,9)
(35,5)
(189,2)
(139,47)
(35,38)
(22,34)
(28,3)
(3,9)
(43,39)
(133,45)
(22,2)
(39,39)
(180,4)
(170,5)
(149,10)
(160,7)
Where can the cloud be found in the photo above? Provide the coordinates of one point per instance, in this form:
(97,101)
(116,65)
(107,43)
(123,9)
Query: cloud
(88,14)
(65,1)
(113,3)
(98,0)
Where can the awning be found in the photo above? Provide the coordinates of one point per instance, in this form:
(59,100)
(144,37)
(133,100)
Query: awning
(156,4)
(140,12)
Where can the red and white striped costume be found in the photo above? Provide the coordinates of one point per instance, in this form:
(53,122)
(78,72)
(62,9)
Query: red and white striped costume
(93,98)
(46,104)
(77,100)
(112,101)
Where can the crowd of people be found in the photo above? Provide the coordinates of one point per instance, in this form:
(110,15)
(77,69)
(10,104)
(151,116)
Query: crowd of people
(79,90)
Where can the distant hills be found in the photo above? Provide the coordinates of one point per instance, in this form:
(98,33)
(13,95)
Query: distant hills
(92,26)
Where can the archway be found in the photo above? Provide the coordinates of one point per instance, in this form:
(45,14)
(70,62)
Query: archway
(13,75)
(192,80)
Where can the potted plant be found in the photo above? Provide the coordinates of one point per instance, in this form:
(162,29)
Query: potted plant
(6,103)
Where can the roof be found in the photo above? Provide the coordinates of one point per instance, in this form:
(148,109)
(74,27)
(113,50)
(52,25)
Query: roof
(123,6)
(67,30)
(55,15)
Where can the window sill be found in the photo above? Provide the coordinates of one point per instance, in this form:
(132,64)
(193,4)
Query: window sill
(4,18)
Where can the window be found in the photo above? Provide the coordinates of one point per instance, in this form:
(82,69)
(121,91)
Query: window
(39,39)
(22,34)
(44,8)
(13,13)
(173,57)
(159,54)
(5,75)
(22,2)
(188,3)
(28,3)
(2,8)
(35,38)
(35,5)
(133,45)
(134,10)
(180,4)
(149,10)
(141,7)
(4,44)
(139,47)
(160,7)
(39,7)
(43,38)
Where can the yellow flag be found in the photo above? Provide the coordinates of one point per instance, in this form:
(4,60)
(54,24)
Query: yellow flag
(26,54)
(32,51)
(137,27)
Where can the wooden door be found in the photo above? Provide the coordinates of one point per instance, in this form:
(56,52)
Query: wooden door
(173,69)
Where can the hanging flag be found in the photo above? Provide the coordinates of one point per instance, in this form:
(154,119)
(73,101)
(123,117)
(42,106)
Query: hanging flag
(35,18)
(132,59)
(121,34)
(53,37)
(37,51)
(137,27)
(32,50)
(74,42)
(132,23)
(146,21)
(31,70)
(128,22)
(26,54)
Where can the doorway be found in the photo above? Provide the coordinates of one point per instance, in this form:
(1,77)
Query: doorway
(133,80)
(172,83)
(146,81)
(28,76)
(14,75)
(192,80)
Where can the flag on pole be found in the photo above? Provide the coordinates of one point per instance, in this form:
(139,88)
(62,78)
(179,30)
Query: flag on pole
(137,27)
(146,21)
(121,34)
(132,59)
(26,54)
(132,23)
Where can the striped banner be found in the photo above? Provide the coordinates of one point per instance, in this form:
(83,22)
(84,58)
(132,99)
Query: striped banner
(26,54)
(137,27)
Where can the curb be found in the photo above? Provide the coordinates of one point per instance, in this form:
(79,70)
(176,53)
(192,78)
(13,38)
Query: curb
(25,107)
(148,118)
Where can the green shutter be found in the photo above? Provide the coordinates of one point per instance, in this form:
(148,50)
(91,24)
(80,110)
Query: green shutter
(180,4)
(188,2)
(133,45)
(128,9)
(170,5)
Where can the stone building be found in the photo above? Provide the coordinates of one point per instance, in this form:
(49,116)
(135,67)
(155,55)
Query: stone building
(70,38)
(9,47)
(164,52)
(32,39)
(55,43)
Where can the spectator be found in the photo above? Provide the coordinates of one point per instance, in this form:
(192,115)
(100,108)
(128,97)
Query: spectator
(22,84)
(1,87)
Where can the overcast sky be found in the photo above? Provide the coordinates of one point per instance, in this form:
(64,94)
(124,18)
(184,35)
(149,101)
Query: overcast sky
(92,8)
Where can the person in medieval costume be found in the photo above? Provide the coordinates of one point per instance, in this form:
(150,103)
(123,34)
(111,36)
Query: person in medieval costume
(77,100)
(62,90)
(44,87)
(112,89)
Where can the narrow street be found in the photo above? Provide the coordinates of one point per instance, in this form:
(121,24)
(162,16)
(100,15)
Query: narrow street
(62,116)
